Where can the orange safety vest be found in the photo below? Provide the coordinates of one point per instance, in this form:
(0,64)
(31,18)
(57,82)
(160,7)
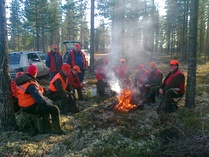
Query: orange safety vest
(24,99)
(64,83)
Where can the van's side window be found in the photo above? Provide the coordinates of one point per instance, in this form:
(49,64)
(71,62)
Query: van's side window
(33,57)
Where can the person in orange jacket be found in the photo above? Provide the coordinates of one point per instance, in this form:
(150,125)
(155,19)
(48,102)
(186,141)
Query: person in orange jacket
(16,107)
(173,86)
(61,89)
(75,81)
(31,99)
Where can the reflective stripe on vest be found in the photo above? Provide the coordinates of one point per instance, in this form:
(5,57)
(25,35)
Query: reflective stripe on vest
(64,84)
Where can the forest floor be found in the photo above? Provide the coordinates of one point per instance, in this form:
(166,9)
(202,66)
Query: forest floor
(97,130)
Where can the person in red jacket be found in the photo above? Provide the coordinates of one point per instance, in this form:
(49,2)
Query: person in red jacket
(77,57)
(122,72)
(75,81)
(173,86)
(16,107)
(54,61)
(101,77)
(140,79)
(61,89)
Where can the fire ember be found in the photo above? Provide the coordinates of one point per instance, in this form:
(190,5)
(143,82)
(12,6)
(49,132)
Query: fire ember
(124,101)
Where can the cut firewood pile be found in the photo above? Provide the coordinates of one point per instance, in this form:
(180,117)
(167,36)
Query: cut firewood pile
(102,128)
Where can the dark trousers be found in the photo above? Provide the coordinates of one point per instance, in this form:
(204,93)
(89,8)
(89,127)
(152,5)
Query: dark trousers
(80,94)
(16,107)
(43,109)
(68,101)
(101,87)
(81,75)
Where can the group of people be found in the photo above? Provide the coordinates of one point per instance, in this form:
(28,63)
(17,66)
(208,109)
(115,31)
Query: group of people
(30,97)
(147,84)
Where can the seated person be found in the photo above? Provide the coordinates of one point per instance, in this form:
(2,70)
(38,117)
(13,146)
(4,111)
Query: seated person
(140,79)
(75,81)
(61,89)
(31,99)
(16,107)
(155,78)
(101,77)
(173,86)
(122,72)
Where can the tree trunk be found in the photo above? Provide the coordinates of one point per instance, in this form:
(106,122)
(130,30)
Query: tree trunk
(92,38)
(7,118)
(191,78)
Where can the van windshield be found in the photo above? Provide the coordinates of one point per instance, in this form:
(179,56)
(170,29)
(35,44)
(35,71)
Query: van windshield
(14,59)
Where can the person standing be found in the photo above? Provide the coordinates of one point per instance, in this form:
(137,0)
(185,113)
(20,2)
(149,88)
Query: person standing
(31,99)
(77,57)
(173,86)
(54,61)
(61,89)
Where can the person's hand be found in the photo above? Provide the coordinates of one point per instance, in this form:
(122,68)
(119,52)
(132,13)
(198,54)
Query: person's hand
(82,84)
(161,91)
(147,85)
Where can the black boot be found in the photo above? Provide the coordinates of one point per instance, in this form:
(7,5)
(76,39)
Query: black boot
(80,94)
(57,127)
(46,123)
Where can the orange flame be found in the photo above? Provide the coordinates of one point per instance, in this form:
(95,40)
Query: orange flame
(124,101)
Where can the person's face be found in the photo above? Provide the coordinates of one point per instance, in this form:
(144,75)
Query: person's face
(75,72)
(152,68)
(66,73)
(77,49)
(54,49)
(173,67)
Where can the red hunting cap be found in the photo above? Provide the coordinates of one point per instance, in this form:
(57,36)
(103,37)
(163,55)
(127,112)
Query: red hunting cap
(54,46)
(32,70)
(78,46)
(77,68)
(66,67)
(174,62)
(140,66)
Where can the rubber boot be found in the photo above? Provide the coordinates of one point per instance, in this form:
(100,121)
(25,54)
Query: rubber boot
(80,94)
(39,124)
(46,123)
(57,127)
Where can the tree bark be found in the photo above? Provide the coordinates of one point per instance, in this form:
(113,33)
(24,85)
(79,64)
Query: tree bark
(191,78)
(7,117)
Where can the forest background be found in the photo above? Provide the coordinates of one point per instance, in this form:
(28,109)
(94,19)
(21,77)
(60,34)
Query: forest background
(129,29)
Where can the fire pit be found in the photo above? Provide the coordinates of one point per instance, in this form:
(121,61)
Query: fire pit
(125,103)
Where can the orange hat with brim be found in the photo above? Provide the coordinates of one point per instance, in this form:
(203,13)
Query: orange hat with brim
(152,64)
(66,67)
(77,68)
(174,62)
(122,60)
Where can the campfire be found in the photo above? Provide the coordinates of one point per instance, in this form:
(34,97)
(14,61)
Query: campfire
(124,101)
